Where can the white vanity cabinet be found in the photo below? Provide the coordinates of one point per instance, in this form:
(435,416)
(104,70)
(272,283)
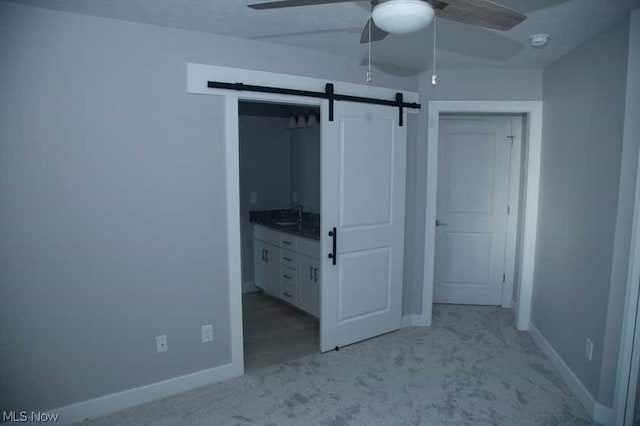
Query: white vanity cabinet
(266,266)
(309,285)
(296,277)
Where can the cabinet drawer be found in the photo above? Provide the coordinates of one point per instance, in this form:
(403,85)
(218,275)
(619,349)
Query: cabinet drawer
(308,247)
(289,293)
(288,275)
(267,235)
(289,284)
(288,242)
(290,259)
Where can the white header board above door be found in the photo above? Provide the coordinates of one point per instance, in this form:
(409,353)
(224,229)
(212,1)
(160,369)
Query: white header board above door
(198,75)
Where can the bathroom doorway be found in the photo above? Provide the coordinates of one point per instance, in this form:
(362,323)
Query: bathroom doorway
(279,153)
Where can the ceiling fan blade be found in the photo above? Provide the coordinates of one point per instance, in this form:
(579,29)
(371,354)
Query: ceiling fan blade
(482,13)
(293,3)
(376,33)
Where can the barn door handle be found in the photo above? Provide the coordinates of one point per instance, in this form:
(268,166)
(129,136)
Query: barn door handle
(438,223)
(333,234)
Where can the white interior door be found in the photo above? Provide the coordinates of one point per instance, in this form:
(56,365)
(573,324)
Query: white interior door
(474,160)
(363,197)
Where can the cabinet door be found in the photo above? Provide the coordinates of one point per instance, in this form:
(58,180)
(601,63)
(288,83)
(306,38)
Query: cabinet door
(309,285)
(260,278)
(273,268)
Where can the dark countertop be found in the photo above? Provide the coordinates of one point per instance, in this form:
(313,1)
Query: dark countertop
(287,221)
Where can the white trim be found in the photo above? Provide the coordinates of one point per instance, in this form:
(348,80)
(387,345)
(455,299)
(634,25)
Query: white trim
(198,75)
(603,415)
(118,401)
(597,412)
(514,207)
(407,321)
(533,110)
(420,321)
(413,320)
(232,157)
(628,358)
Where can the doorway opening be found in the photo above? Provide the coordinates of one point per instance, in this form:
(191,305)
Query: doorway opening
(531,111)
(279,164)
(478,214)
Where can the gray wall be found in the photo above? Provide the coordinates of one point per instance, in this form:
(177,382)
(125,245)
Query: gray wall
(581,157)
(264,168)
(305,167)
(112,230)
(482,84)
(624,222)
(112,189)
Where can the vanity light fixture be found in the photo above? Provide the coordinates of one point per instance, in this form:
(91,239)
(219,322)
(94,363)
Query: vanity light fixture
(303,119)
(292,122)
(301,123)
(312,121)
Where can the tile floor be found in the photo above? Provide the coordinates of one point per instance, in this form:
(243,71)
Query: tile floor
(275,332)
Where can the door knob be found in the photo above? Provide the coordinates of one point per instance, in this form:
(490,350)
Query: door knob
(438,223)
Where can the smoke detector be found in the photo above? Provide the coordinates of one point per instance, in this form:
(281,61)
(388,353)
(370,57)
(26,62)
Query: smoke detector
(539,40)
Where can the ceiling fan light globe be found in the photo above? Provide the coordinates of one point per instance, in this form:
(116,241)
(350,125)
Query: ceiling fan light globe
(402,16)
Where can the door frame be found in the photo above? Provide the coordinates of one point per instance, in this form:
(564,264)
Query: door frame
(513,198)
(197,77)
(532,110)
(628,363)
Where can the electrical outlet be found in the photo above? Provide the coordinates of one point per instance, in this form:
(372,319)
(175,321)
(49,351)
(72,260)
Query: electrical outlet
(207,333)
(162,345)
(588,349)
(253,197)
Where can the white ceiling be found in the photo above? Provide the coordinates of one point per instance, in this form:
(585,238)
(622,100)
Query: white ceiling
(336,28)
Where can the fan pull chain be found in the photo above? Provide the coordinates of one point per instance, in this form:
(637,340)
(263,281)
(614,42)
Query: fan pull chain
(369,77)
(434,76)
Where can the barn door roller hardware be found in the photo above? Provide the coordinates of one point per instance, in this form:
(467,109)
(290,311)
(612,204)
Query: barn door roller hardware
(327,94)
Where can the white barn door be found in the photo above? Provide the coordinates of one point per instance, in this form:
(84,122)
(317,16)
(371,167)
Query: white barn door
(363,198)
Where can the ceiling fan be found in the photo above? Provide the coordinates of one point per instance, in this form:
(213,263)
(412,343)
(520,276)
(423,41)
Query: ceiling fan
(403,16)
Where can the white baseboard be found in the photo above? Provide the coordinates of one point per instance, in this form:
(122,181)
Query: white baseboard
(603,415)
(413,320)
(598,412)
(406,321)
(111,403)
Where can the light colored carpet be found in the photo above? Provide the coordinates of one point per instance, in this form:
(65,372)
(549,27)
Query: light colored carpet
(471,368)
(274,332)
